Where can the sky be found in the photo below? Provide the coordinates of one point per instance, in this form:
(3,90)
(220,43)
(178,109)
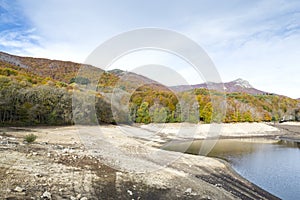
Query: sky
(257,40)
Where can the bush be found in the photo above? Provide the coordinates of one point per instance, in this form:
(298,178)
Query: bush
(30,138)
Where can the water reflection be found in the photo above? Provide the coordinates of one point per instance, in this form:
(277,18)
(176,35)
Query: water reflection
(271,164)
(222,146)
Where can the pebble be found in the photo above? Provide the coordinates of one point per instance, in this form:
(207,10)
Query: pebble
(73,198)
(4,142)
(205,197)
(84,198)
(218,185)
(44,143)
(188,191)
(59,147)
(39,175)
(46,195)
(19,189)
(130,192)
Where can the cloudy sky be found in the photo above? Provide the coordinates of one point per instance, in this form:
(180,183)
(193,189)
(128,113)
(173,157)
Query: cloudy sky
(257,40)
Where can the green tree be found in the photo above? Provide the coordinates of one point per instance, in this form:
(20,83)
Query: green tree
(143,113)
(158,113)
(80,80)
(206,113)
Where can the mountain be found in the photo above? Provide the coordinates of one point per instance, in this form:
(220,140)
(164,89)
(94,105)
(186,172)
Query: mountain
(238,85)
(54,69)
(65,70)
(132,80)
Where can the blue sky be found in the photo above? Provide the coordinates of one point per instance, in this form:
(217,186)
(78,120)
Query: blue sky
(256,40)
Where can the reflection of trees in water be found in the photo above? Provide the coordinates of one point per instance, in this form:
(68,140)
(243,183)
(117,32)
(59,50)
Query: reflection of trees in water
(289,143)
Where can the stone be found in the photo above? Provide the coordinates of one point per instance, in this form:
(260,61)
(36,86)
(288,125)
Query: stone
(46,195)
(205,197)
(39,175)
(130,192)
(19,189)
(84,198)
(73,198)
(188,191)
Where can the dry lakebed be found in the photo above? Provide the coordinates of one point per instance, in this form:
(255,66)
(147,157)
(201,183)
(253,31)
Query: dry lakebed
(127,162)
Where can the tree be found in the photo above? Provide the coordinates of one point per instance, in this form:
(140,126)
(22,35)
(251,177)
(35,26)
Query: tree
(158,113)
(206,113)
(80,80)
(143,114)
(247,116)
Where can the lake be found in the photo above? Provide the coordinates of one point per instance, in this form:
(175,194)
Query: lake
(273,165)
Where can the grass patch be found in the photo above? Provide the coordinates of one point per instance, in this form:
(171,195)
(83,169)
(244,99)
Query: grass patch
(30,138)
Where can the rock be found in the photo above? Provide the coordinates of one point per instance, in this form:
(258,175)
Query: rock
(84,198)
(73,198)
(78,196)
(130,192)
(39,175)
(34,153)
(205,197)
(19,189)
(4,142)
(59,147)
(46,195)
(44,143)
(188,191)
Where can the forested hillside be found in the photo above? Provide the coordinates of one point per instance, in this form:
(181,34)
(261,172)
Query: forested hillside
(40,92)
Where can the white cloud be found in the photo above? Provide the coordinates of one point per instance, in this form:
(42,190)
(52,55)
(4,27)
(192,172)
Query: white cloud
(260,43)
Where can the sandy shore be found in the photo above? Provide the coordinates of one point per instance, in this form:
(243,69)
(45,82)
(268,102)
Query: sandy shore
(111,162)
(202,131)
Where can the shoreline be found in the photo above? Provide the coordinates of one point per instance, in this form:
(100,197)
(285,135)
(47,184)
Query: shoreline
(197,176)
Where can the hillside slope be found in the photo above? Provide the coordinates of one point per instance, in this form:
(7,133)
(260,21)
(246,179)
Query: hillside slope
(36,91)
(238,85)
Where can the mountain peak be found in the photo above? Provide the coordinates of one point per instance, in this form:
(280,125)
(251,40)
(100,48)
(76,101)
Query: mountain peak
(242,83)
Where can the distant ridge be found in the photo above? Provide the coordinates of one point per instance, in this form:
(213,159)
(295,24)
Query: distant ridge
(66,70)
(238,85)
(55,69)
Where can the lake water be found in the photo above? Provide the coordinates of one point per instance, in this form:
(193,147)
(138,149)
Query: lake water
(272,165)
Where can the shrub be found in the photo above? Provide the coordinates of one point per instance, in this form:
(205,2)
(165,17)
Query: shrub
(30,138)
